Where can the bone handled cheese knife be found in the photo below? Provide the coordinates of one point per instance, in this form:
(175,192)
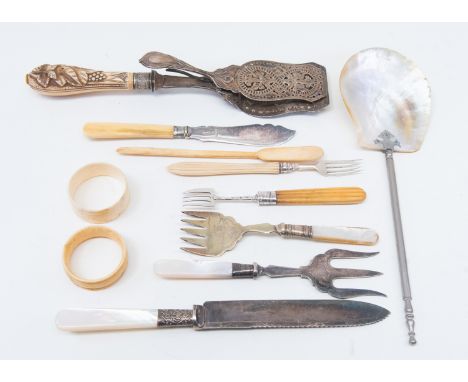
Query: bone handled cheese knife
(251,135)
(247,314)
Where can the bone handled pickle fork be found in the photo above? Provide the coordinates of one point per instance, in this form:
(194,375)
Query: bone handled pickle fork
(218,233)
(319,271)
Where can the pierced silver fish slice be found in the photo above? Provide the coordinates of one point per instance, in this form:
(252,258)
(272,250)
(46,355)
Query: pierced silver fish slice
(319,271)
(218,233)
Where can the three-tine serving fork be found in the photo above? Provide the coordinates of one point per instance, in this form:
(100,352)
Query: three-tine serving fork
(319,271)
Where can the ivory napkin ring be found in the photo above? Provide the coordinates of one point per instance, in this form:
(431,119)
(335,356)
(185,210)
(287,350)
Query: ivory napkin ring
(91,171)
(83,235)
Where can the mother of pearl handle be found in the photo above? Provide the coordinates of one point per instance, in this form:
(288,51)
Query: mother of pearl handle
(184,269)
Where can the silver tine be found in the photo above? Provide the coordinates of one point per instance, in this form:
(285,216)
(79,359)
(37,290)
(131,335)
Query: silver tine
(195,231)
(199,214)
(197,223)
(348,161)
(191,202)
(348,273)
(195,241)
(199,190)
(347,254)
(350,293)
(202,203)
(195,251)
(344,165)
(340,173)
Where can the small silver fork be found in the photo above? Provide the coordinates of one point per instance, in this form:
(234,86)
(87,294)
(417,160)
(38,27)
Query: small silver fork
(325,167)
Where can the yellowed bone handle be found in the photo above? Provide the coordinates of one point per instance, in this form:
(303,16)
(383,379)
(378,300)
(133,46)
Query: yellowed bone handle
(64,80)
(335,195)
(208,169)
(270,154)
(157,152)
(111,130)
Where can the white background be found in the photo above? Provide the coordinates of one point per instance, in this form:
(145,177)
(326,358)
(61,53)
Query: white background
(43,145)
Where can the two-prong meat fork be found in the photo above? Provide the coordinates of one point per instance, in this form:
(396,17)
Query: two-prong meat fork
(218,233)
(319,271)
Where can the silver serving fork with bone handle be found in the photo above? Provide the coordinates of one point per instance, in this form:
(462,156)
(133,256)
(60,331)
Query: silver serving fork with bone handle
(218,233)
(319,271)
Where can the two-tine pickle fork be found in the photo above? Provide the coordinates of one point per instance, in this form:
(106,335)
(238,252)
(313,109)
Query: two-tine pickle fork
(319,271)
(218,233)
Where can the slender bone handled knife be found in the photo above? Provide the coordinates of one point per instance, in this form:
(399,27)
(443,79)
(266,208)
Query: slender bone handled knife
(253,314)
(251,135)
(310,154)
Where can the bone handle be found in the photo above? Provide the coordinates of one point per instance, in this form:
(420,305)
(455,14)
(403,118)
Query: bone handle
(156,152)
(64,80)
(207,168)
(342,235)
(184,269)
(104,130)
(336,195)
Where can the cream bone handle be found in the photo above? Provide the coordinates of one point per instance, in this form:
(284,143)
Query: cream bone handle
(342,235)
(270,154)
(111,130)
(208,169)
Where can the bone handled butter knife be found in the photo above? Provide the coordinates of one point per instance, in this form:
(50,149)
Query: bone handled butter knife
(248,314)
(251,135)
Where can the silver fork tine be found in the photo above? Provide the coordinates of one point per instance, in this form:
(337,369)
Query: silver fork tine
(347,273)
(198,214)
(350,161)
(195,241)
(195,231)
(197,223)
(350,292)
(196,251)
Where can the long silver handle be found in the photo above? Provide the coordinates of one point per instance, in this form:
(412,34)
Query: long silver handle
(405,283)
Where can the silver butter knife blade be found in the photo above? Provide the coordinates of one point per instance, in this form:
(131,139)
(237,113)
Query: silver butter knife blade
(252,314)
(250,135)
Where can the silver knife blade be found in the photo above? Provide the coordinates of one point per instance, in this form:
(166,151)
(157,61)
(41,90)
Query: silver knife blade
(252,314)
(250,135)
(289,314)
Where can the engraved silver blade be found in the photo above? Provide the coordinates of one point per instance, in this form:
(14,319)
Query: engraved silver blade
(250,135)
(289,314)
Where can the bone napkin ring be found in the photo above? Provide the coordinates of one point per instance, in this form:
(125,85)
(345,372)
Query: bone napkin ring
(83,235)
(91,171)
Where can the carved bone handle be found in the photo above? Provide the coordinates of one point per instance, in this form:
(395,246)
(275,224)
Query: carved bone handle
(63,80)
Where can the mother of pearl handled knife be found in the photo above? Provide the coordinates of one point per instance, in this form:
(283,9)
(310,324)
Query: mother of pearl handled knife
(252,135)
(247,314)
(270,154)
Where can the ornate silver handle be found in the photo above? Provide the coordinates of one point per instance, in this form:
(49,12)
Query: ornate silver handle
(295,231)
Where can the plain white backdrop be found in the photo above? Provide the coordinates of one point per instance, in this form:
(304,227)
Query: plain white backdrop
(43,145)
